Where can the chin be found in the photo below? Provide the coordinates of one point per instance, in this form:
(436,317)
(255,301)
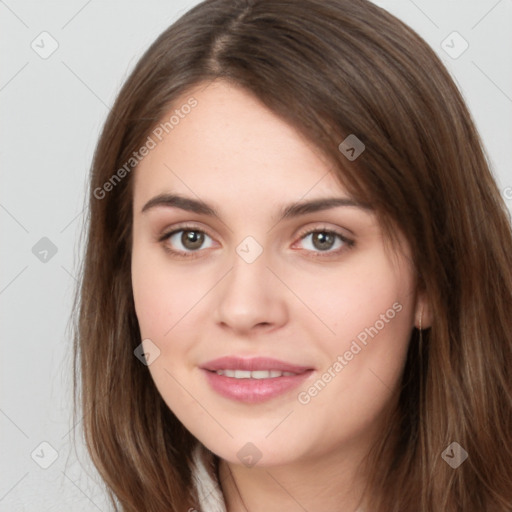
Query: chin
(258,452)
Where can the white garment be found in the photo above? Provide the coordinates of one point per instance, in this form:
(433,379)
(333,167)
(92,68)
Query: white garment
(207,487)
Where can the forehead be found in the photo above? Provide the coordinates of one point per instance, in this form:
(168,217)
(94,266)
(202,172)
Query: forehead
(229,144)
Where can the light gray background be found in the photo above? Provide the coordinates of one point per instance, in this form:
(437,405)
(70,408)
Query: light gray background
(52,112)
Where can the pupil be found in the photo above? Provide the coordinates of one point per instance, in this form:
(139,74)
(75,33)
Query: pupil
(325,240)
(192,239)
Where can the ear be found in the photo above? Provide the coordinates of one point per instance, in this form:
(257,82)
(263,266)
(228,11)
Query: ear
(423,314)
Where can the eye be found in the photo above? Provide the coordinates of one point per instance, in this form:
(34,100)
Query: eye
(325,242)
(185,241)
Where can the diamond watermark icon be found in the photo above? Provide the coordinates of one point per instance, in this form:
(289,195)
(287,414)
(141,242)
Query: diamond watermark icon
(249,455)
(44,250)
(454,45)
(249,249)
(44,45)
(44,455)
(147,352)
(454,455)
(351,147)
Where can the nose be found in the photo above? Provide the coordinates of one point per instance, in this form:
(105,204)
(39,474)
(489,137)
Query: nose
(250,298)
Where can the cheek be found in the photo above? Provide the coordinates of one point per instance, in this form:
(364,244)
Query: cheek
(162,300)
(162,296)
(368,307)
(350,298)
(151,296)
(371,310)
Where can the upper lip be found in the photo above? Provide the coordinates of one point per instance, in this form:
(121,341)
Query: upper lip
(253,364)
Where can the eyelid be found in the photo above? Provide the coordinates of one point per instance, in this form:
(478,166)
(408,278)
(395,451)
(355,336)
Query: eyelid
(321,227)
(183,227)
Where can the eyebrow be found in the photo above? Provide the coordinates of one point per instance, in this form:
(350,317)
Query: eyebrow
(289,211)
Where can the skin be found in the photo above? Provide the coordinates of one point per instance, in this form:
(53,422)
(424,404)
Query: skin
(235,154)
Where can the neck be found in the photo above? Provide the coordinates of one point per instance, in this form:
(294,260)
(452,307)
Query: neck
(331,481)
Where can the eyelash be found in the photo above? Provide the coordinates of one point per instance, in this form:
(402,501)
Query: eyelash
(316,254)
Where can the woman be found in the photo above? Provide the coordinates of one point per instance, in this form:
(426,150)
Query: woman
(297,285)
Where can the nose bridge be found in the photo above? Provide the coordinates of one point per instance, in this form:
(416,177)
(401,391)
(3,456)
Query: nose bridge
(247,296)
(249,268)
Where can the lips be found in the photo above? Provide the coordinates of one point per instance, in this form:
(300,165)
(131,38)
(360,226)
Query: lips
(253,380)
(254,364)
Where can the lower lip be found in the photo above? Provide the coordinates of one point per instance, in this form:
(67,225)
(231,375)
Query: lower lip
(253,391)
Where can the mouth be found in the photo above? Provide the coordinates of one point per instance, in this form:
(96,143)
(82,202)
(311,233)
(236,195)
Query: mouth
(253,380)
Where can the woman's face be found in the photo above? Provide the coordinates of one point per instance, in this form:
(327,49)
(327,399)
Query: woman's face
(248,282)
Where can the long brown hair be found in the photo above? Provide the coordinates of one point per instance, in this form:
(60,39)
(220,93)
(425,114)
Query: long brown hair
(331,68)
